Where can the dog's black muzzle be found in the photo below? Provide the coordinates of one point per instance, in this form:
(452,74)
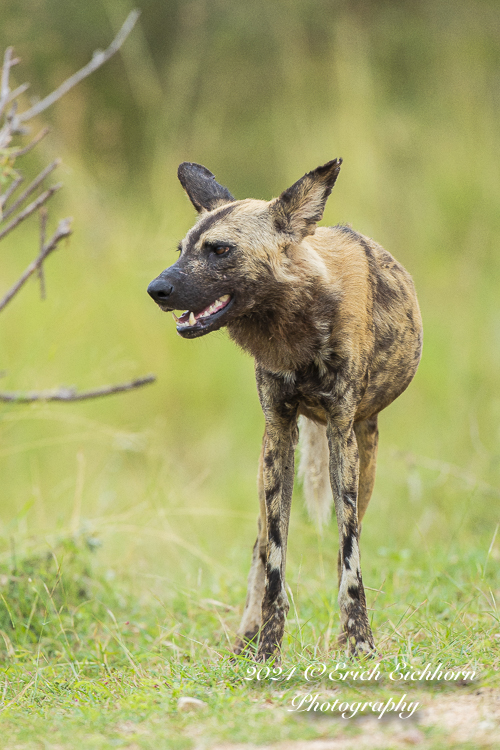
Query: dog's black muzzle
(160,290)
(174,290)
(206,304)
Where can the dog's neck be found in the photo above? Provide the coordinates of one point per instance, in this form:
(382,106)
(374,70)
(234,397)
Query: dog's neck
(288,334)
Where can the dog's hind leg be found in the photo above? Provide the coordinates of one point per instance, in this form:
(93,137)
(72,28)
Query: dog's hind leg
(252,614)
(367,439)
(344,474)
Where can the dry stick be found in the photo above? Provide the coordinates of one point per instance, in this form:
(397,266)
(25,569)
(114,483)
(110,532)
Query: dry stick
(17,92)
(98,58)
(4,85)
(43,227)
(43,198)
(11,125)
(63,230)
(70,394)
(31,188)
(11,189)
(5,72)
(34,142)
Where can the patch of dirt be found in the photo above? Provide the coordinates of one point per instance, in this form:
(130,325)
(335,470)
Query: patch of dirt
(131,728)
(456,718)
(375,738)
(473,717)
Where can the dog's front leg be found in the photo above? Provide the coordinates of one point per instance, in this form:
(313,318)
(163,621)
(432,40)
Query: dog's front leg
(278,472)
(278,484)
(344,475)
(252,616)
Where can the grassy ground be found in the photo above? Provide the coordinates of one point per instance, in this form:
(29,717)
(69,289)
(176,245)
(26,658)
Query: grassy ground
(89,660)
(126,524)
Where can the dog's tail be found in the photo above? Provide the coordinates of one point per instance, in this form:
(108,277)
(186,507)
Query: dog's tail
(314,470)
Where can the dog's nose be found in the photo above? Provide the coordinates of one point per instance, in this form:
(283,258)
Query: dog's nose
(160,290)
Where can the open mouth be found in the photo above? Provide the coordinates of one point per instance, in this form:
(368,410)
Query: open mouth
(191,324)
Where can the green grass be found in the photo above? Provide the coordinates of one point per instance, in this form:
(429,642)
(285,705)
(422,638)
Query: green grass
(89,660)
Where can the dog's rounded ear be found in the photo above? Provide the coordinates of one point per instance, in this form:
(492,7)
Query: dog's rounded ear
(203,190)
(298,209)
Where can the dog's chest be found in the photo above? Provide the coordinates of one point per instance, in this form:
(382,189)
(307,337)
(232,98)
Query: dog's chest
(311,388)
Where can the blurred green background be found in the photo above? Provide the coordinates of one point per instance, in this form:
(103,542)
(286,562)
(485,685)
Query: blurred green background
(408,94)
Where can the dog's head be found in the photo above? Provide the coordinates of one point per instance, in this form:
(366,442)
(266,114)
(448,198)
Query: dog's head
(235,257)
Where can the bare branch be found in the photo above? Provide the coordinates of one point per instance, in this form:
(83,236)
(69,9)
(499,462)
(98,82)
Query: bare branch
(36,140)
(98,58)
(63,230)
(5,72)
(12,188)
(43,198)
(8,62)
(43,227)
(12,125)
(17,92)
(31,188)
(70,394)
(4,86)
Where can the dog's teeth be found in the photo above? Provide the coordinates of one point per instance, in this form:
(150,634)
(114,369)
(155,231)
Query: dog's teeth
(214,307)
(175,317)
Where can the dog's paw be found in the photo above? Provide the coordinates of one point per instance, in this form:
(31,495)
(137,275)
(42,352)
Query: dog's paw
(360,648)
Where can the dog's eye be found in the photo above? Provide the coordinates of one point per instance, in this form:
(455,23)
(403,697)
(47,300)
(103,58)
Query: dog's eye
(221,250)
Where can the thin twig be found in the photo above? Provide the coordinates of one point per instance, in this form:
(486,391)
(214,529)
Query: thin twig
(31,188)
(98,58)
(11,126)
(12,187)
(17,92)
(63,230)
(43,132)
(8,62)
(4,86)
(43,227)
(43,198)
(70,394)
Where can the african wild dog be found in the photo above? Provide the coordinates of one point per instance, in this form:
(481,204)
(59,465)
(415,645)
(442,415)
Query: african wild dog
(333,323)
